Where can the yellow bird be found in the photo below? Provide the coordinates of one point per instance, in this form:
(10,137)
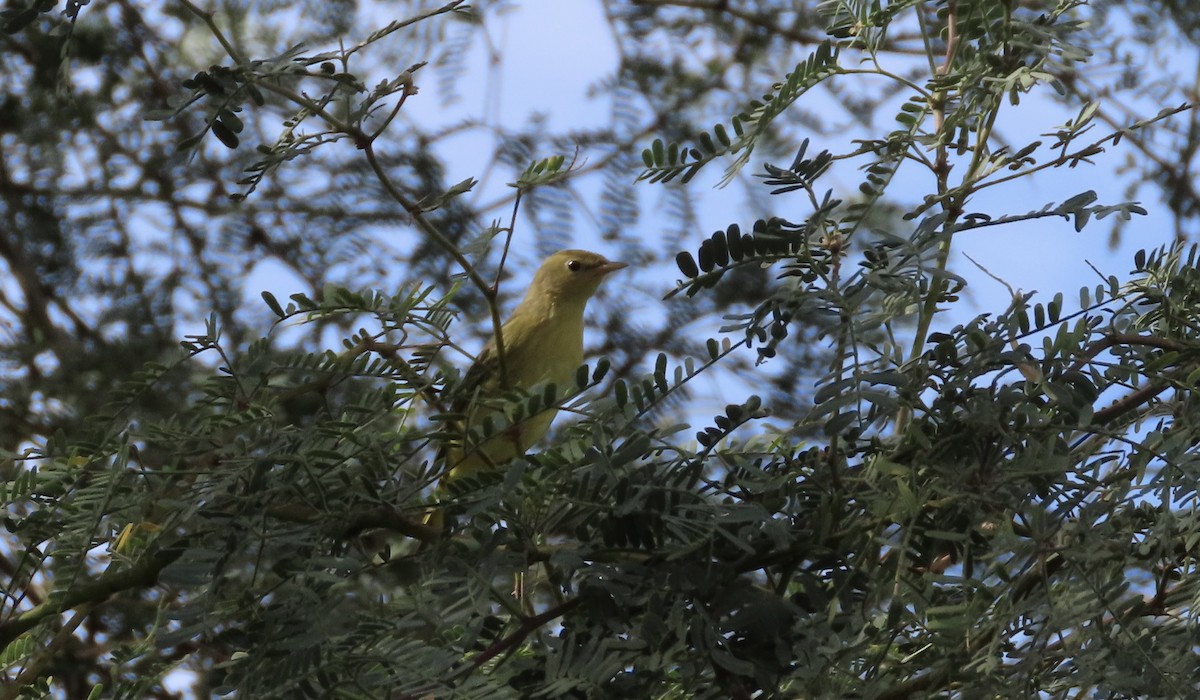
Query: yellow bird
(543,342)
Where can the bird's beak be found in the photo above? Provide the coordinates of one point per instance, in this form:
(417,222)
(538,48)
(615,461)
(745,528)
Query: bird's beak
(610,266)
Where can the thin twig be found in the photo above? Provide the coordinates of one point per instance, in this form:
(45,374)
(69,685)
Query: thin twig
(208,18)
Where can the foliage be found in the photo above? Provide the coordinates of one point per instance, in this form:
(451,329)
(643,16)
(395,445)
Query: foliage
(999,507)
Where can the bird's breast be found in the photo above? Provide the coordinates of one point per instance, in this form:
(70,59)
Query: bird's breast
(546,351)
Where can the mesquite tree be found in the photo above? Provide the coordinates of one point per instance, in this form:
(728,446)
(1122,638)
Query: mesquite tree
(998,506)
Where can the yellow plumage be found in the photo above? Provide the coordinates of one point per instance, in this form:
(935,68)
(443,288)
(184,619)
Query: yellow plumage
(543,342)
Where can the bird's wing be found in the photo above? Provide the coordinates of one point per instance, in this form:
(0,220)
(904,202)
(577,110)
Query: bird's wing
(482,379)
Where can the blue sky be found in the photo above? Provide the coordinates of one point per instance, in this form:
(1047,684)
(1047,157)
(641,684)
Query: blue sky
(540,59)
(552,51)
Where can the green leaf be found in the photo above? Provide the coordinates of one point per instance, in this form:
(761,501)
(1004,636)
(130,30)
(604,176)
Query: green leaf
(273,304)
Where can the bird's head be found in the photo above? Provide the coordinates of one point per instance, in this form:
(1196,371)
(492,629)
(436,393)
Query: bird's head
(572,276)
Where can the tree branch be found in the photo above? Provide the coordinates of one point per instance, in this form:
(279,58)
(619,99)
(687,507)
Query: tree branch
(143,574)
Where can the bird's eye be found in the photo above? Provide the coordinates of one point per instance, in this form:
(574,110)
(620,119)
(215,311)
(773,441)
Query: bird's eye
(574,265)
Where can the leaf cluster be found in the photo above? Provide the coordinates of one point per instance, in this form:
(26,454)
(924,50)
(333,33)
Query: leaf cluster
(993,505)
